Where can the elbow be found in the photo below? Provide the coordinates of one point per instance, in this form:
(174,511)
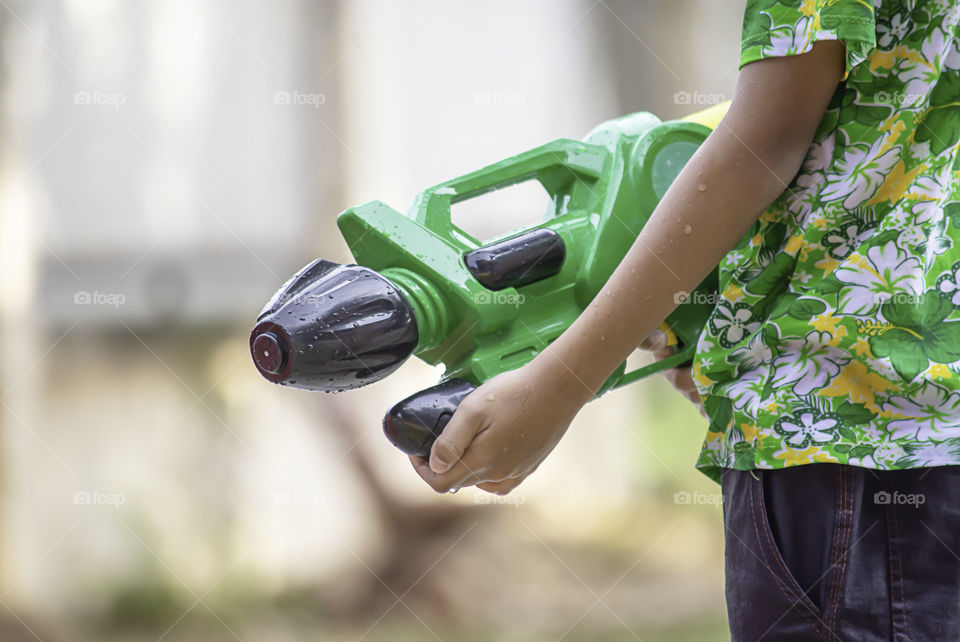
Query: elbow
(769,144)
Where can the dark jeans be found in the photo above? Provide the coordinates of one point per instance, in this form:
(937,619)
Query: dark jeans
(832,552)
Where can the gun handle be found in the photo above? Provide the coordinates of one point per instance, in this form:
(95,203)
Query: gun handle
(412,425)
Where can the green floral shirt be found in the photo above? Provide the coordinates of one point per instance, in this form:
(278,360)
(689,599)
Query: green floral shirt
(836,335)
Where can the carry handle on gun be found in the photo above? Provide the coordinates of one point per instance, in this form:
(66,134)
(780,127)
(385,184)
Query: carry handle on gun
(552,165)
(425,286)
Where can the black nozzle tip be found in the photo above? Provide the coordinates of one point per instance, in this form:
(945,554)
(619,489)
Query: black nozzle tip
(270,349)
(269,352)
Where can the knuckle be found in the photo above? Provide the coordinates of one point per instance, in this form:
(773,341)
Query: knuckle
(446,450)
(469,412)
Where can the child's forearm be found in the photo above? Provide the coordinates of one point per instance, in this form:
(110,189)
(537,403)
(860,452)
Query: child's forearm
(738,171)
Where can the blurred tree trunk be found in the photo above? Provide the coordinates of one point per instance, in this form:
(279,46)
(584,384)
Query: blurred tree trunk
(416,534)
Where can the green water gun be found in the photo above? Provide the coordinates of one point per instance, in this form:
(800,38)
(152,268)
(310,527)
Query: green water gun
(421,285)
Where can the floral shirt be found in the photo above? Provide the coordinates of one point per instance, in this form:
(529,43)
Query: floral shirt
(836,335)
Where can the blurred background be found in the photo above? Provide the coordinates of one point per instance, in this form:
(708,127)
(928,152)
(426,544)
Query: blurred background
(164,167)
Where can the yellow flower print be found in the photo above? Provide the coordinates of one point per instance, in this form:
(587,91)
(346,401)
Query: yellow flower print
(699,377)
(826,322)
(819,220)
(939,371)
(895,184)
(828,264)
(733,292)
(793,245)
(793,457)
(862,347)
(858,383)
(809,7)
(713,436)
(840,333)
(881,60)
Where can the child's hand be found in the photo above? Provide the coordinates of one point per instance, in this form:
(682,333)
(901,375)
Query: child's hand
(681,378)
(503,430)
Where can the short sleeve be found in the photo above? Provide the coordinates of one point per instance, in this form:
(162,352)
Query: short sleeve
(773,29)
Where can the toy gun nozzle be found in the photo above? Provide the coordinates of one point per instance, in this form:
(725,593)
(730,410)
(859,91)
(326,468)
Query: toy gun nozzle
(333,327)
(270,352)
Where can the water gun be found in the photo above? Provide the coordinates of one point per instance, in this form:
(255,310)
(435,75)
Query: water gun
(423,286)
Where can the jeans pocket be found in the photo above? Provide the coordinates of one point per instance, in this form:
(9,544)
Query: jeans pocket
(778,561)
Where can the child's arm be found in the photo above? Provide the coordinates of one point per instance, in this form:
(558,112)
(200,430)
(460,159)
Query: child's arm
(502,431)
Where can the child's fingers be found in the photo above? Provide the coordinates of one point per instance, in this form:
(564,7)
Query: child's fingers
(663,353)
(501,487)
(457,477)
(456,436)
(655,341)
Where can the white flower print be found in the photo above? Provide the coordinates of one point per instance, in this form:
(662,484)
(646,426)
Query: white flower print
(888,35)
(732,322)
(786,40)
(920,76)
(840,243)
(859,173)
(888,453)
(896,219)
(872,433)
(887,270)
(745,391)
(867,461)
(883,367)
(934,188)
(934,454)
(952,59)
(808,428)
(752,355)
(820,154)
(810,363)
(949,283)
(912,237)
(932,412)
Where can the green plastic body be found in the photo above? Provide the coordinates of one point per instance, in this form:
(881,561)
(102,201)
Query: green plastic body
(602,192)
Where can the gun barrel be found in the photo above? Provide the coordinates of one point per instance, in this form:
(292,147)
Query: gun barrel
(332,328)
